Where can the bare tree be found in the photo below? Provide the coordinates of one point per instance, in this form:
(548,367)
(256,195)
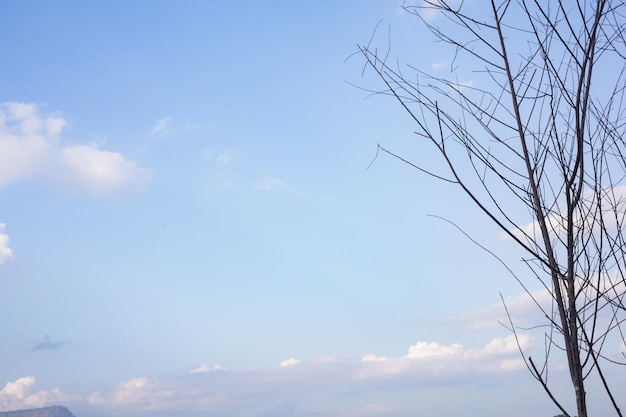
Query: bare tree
(542,129)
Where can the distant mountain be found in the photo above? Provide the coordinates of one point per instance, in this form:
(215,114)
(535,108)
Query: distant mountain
(54,411)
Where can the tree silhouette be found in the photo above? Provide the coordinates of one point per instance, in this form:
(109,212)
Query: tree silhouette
(538,146)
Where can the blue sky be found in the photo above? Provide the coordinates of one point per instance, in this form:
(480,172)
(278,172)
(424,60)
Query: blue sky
(189,227)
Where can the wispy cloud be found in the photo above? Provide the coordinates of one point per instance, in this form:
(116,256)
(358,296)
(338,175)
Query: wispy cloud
(271,184)
(223,157)
(523,310)
(163,126)
(30,148)
(168,126)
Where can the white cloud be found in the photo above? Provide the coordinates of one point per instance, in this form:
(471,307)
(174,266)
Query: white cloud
(206,368)
(18,388)
(270,184)
(422,350)
(507,345)
(427,350)
(6,253)
(224,157)
(98,172)
(29,148)
(17,395)
(439,65)
(275,184)
(523,310)
(433,358)
(135,394)
(54,126)
(429,13)
(140,395)
(508,365)
(96,398)
(613,209)
(140,392)
(290,362)
(163,126)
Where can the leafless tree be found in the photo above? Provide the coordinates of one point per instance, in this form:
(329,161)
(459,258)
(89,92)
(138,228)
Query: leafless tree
(537,144)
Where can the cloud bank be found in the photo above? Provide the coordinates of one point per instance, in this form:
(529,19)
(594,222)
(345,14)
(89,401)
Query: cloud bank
(30,148)
(293,387)
(434,359)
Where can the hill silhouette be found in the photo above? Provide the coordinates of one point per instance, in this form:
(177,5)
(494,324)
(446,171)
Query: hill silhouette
(54,411)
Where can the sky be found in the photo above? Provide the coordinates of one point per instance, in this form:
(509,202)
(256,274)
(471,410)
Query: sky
(191,223)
